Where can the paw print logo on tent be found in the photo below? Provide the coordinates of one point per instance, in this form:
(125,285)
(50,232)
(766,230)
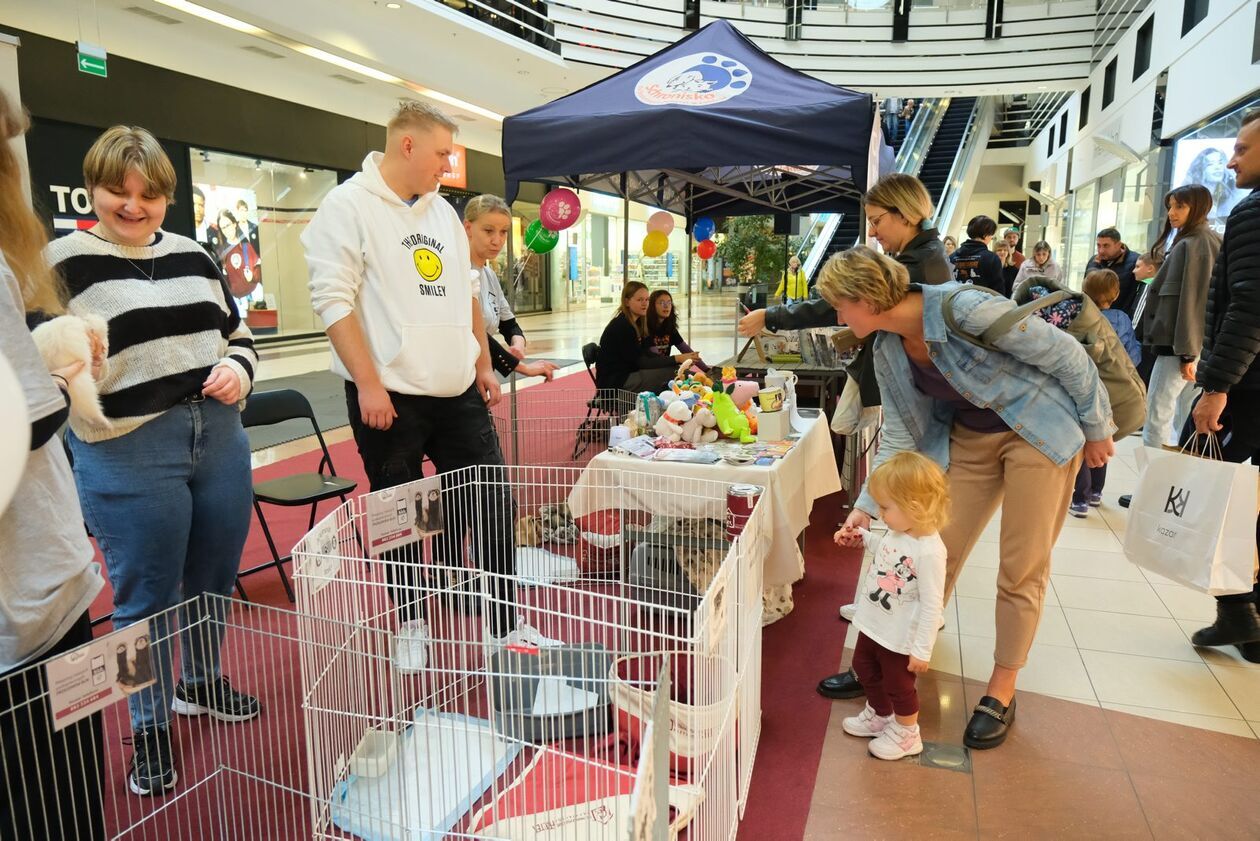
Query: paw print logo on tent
(696,79)
(711,74)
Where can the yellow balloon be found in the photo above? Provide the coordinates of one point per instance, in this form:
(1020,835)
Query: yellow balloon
(655,244)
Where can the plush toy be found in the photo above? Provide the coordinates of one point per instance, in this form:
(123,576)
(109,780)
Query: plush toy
(670,426)
(528,531)
(744,392)
(702,428)
(750,412)
(556,524)
(731,421)
(636,421)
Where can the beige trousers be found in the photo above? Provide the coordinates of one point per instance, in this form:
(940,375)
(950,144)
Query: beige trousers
(991,469)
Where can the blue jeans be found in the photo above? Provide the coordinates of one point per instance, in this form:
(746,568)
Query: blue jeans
(170,506)
(1168,399)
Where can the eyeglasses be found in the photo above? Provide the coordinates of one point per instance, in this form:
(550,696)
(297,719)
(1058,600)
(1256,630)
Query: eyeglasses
(873,221)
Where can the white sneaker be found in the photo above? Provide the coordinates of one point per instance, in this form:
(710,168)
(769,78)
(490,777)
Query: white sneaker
(411,646)
(897,741)
(848,611)
(525,635)
(866,723)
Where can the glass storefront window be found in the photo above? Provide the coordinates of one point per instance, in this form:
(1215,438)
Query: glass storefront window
(249,214)
(586,264)
(1081,245)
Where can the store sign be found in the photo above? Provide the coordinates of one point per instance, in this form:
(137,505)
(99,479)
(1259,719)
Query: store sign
(697,79)
(91,60)
(459,169)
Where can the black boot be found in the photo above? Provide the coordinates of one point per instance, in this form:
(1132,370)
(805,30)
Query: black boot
(1236,623)
(842,686)
(1250,651)
(989,723)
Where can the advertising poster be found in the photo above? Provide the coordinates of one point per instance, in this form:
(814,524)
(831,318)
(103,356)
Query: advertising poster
(404,514)
(226,220)
(101,673)
(1202,160)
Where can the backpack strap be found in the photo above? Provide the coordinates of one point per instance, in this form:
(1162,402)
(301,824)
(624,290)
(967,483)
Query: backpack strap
(1007,321)
(1004,323)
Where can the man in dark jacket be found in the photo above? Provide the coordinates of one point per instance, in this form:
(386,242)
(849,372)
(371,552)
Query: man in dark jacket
(1115,255)
(974,262)
(1229,370)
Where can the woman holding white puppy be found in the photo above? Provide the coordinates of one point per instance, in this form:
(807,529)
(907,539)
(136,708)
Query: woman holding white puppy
(165,487)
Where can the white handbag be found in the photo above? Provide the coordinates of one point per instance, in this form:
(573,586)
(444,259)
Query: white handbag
(1193,520)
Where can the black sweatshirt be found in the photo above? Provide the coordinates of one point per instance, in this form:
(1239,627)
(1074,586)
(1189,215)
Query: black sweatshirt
(621,353)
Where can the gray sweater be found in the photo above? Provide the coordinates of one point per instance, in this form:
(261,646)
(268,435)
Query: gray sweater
(1172,323)
(47,576)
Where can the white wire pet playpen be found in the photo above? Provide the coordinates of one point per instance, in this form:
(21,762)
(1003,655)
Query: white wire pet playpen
(534,735)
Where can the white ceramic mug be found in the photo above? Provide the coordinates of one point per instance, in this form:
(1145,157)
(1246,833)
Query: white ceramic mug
(785,380)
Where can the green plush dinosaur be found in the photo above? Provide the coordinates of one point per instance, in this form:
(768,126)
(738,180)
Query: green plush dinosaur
(732,423)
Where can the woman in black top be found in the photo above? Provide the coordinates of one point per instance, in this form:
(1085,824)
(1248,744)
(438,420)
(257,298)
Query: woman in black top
(663,335)
(898,215)
(622,361)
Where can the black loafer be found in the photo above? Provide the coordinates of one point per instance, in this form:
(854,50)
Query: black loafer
(989,723)
(841,687)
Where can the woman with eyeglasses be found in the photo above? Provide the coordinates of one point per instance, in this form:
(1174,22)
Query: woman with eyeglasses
(898,215)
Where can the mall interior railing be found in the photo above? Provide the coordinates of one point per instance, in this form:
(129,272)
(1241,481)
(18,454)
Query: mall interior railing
(826,224)
(927,119)
(967,164)
(524,19)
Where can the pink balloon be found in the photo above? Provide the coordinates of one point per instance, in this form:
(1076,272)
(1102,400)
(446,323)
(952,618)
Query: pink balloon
(559,209)
(661,221)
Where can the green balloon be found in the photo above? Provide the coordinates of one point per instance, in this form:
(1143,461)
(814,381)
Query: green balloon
(538,239)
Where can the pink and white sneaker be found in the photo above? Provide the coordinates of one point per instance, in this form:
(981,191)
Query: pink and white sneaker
(866,724)
(896,741)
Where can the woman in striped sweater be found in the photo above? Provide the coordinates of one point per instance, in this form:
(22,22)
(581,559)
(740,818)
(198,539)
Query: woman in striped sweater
(166,487)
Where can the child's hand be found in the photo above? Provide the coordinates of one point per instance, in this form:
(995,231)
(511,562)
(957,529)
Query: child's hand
(917,666)
(840,537)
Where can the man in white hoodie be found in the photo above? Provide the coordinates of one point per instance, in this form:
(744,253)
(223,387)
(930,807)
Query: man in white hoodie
(391,277)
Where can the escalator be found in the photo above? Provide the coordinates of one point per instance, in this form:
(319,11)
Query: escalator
(941,155)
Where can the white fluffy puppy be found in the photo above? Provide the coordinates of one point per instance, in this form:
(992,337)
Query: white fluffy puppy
(65,340)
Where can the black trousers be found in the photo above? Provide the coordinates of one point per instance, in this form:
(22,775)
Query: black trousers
(1240,442)
(52,778)
(454,433)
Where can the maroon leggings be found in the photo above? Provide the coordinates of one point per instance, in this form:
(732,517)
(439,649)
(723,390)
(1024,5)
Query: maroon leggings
(888,683)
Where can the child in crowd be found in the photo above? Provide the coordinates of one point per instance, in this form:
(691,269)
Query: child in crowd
(899,602)
(1103,288)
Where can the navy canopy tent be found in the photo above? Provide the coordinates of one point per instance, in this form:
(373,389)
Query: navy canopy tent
(709,126)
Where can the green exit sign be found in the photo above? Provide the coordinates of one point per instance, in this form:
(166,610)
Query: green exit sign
(91,60)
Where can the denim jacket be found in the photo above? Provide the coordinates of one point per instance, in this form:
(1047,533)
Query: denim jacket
(1042,383)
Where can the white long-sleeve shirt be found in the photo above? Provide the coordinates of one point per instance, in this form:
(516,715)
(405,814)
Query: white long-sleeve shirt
(902,596)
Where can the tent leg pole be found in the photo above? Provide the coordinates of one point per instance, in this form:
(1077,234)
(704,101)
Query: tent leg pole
(625,237)
(510,274)
(687,257)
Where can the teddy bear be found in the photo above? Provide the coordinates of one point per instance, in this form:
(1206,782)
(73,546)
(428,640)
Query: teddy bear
(557,524)
(702,428)
(670,426)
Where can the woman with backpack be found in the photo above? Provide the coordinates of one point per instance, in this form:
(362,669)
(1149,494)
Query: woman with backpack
(1172,323)
(1010,425)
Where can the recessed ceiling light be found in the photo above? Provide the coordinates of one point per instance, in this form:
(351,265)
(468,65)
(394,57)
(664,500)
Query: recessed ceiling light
(393,5)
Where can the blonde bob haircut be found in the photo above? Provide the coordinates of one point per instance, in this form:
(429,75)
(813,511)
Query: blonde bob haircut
(916,485)
(411,114)
(483,204)
(902,194)
(863,274)
(121,149)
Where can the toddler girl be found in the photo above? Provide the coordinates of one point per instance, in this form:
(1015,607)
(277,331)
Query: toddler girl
(899,602)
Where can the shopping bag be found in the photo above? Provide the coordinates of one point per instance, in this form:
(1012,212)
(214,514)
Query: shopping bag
(1193,520)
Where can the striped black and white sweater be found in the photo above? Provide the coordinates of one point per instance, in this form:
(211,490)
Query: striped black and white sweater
(165,333)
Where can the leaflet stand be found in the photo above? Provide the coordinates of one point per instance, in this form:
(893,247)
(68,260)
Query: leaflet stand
(754,342)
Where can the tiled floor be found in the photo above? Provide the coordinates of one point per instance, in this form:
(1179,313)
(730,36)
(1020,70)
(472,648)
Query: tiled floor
(1111,634)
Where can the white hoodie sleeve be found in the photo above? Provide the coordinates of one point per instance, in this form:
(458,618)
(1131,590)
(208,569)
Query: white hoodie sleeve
(334,257)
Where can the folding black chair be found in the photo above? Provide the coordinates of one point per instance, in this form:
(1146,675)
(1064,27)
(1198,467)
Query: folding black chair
(270,407)
(600,409)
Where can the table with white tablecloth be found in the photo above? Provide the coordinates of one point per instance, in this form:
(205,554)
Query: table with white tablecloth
(791,484)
